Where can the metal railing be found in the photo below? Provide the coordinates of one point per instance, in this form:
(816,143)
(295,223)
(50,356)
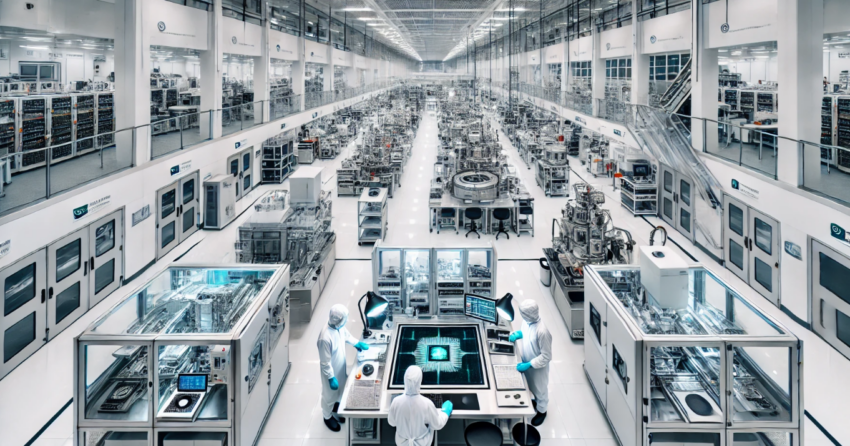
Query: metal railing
(30,176)
(285,106)
(43,173)
(615,111)
(179,132)
(240,117)
(313,99)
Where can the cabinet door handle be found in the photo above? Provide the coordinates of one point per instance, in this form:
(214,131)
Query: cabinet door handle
(50,293)
(43,296)
(86,268)
(91,263)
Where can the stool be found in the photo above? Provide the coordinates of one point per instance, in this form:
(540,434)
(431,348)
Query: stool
(502,214)
(482,433)
(528,213)
(473,214)
(531,437)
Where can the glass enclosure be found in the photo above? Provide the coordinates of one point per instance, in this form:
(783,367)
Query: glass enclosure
(389,277)
(417,279)
(116,382)
(187,301)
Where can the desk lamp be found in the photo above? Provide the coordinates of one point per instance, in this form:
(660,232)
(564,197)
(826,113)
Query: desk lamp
(505,308)
(375,304)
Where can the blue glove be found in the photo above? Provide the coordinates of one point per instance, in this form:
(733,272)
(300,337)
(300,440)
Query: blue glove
(360,346)
(523,366)
(515,335)
(334,383)
(447,408)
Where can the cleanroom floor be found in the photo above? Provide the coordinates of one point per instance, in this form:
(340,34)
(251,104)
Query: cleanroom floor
(575,418)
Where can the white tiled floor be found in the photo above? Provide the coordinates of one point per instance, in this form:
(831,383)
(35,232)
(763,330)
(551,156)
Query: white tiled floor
(575,418)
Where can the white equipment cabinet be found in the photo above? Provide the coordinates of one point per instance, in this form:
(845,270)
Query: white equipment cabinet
(372,215)
(196,356)
(718,371)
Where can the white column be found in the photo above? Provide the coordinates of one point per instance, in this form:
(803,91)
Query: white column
(132,82)
(800,60)
(261,71)
(640,61)
(704,78)
(211,69)
(598,71)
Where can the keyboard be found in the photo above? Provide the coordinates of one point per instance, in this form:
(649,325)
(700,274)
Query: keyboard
(507,377)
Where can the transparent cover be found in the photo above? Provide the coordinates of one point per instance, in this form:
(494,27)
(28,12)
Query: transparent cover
(713,308)
(116,380)
(186,301)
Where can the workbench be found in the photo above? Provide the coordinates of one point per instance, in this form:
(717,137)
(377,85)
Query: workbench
(512,202)
(505,407)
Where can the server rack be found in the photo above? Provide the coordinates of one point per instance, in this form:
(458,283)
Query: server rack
(84,119)
(105,120)
(8,124)
(767,102)
(827,123)
(748,101)
(843,108)
(730,97)
(33,132)
(61,128)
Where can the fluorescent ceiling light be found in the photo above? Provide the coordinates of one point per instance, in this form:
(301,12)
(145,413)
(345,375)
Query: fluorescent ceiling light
(31,47)
(366,19)
(356,9)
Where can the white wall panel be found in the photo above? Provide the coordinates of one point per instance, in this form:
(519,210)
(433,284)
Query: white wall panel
(283,46)
(341,57)
(552,54)
(90,18)
(170,24)
(316,52)
(580,49)
(616,42)
(667,33)
(750,21)
(240,37)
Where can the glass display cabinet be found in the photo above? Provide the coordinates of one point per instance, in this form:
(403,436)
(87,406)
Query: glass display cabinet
(711,370)
(198,353)
(432,280)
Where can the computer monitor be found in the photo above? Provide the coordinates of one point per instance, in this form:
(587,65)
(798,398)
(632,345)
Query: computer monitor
(191,382)
(641,170)
(29,71)
(480,307)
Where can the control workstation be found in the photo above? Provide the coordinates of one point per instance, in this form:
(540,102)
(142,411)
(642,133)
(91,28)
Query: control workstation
(465,359)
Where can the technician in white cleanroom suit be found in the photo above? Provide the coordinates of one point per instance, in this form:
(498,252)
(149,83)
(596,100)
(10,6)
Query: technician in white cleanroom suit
(414,417)
(331,346)
(536,352)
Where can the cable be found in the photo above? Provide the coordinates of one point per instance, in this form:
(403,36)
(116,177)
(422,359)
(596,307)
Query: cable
(652,235)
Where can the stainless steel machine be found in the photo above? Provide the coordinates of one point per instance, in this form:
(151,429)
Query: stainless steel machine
(585,235)
(199,353)
(675,355)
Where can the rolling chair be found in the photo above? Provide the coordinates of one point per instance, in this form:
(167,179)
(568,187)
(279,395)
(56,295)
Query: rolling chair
(473,214)
(482,433)
(502,214)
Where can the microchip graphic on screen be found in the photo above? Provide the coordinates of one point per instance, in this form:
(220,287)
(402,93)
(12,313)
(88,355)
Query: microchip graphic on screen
(438,353)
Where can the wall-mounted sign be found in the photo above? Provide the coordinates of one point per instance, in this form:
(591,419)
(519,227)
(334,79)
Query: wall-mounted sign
(282,126)
(257,154)
(5,248)
(233,40)
(183,167)
(142,214)
(653,39)
(175,170)
(207,176)
(745,190)
(91,208)
(839,233)
(242,143)
(724,28)
(618,133)
(581,120)
(844,55)
(160,26)
(793,250)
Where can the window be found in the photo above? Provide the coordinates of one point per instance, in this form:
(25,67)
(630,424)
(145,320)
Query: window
(581,69)
(612,14)
(315,24)
(667,66)
(249,11)
(553,28)
(285,16)
(205,5)
(337,34)
(618,68)
(650,9)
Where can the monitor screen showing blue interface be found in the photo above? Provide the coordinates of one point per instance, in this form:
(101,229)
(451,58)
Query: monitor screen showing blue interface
(449,355)
(480,308)
(192,383)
